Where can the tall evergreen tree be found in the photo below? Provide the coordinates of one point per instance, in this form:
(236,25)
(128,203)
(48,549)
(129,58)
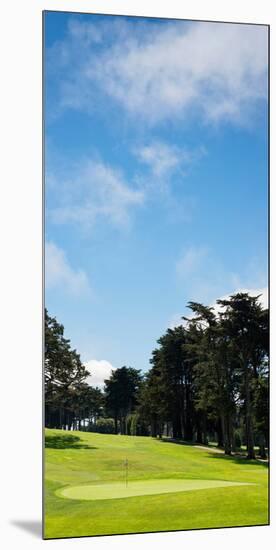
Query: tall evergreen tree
(246,327)
(64,372)
(214,371)
(121,392)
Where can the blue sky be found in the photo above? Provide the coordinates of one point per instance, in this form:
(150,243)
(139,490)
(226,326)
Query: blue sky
(156,176)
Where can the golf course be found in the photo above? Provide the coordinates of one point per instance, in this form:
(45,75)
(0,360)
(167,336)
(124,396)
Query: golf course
(98,484)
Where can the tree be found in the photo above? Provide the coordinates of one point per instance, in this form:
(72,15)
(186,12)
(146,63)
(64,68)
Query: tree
(121,392)
(64,374)
(246,327)
(215,380)
(152,399)
(261,405)
(168,395)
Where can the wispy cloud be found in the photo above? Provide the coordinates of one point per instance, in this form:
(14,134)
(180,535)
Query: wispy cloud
(156,72)
(163,159)
(191,260)
(60,274)
(93,190)
(203,277)
(204,273)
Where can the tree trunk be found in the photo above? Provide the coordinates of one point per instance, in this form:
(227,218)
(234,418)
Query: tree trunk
(262,451)
(227,434)
(189,414)
(220,433)
(154,427)
(199,435)
(122,427)
(248,419)
(176,428)
(205,440)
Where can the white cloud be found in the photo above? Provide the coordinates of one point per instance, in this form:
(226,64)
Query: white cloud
(164,159)
(262,292)
(176,319)
(59,273)
(191,260)
(218,70)
(93,191)
(203,278)
(99,371)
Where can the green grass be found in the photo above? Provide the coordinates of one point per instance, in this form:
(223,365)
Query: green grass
(179,486)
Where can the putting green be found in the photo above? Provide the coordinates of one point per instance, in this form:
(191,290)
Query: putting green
(140,488)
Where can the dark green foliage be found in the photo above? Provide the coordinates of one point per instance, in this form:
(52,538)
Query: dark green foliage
(68,399)
(211,377)
(103,426)
(121,392)
(168,393)
(215,377)
(245,325)
(237,440)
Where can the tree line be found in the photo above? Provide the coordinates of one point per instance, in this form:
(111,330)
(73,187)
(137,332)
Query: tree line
(208,381)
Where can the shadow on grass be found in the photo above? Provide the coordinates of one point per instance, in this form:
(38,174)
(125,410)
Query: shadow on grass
(240,459)
(188,443)
(176,441)
(65,442)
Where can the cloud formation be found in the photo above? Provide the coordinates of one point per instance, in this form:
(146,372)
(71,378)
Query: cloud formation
(60,274)
(99,371)
(261,292)
(191,260)
(176,319)
(91,191)
(163,159)
(202,276)
(156,72)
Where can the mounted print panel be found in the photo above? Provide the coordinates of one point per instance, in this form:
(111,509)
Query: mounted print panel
(156,362)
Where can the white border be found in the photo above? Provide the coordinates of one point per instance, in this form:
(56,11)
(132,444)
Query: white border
(21,237)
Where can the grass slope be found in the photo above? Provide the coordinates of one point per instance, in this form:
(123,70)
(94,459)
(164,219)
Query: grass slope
(86,459)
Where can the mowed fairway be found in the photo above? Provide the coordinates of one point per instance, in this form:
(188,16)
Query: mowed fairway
(170,486)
